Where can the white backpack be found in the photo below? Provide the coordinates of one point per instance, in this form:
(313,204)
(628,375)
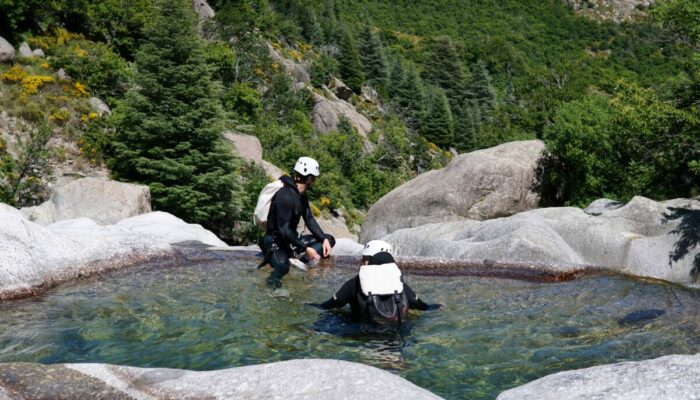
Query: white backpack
(264,201)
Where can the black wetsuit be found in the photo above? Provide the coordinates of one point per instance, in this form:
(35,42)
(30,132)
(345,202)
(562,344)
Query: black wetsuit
(281,240)
(350,291)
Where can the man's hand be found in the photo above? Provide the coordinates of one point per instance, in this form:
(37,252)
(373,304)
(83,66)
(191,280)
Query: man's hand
(326,248)
(312,254)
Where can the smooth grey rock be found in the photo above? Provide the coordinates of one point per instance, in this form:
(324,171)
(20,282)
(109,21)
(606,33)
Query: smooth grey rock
(480,185)
(35,256)
(100,106)
(249,148)
(7,51)
(286,380)
(25,50)
(103,200)
(636,239)
(674,377)
(38,53)
(204,11)
(63,76)
(602,205)
(328,110)
(347,247)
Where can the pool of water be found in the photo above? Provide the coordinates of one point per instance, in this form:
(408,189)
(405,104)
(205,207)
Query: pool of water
(494,334)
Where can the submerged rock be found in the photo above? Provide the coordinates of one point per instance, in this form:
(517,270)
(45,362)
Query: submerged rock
(289,380)
(672,377)
(641,316)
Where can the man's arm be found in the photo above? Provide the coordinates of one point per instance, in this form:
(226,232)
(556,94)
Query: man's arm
(342,297)
(311,223)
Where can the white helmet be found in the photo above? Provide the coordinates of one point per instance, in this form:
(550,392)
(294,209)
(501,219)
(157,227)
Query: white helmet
(306,166)
(375,246)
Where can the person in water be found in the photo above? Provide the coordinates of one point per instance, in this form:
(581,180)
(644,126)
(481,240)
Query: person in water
(281,242)
(392,298)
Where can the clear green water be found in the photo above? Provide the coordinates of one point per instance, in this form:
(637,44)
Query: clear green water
(494,334)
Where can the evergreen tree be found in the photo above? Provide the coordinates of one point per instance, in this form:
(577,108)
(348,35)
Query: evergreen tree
(467,125)
(329,22)
(481,91)
(310,27)
(373,59)
(168,127)
(444,69)
(409,98)
(437,125)
(396,77)
(350,64)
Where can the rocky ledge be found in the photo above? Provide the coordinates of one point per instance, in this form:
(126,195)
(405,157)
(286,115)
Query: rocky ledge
(36,257)
(671,377)
(288,380)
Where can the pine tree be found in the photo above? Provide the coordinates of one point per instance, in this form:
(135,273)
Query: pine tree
(310,27)
(444,69)
(437,125)
(350,64)
(481,91)
(373,59)
(168,127)
(396,77)
(409,98)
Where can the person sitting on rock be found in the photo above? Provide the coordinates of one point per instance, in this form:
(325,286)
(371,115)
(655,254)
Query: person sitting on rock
(377,293)
(289,204)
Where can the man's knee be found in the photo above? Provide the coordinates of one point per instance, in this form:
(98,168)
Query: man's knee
(280,263)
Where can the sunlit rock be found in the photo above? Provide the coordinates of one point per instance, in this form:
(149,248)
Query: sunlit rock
(480,185)
(670,377)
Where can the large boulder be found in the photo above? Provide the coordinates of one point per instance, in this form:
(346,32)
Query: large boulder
(672,377)
(203,10)
(25,50)
(97,104)
(642,238)
(7,51)
(289,380)
(249,148)
(329,109)
(480,185)
(35,257)
(103,200)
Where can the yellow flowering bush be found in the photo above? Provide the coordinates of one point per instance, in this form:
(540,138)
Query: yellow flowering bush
(80,89)
(325,201)
(61,115)
(315,210)
(80,52)
(15,74)
(32,83)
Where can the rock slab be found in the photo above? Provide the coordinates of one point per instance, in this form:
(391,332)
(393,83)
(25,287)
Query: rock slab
(7,51)
(286,380)
(674,377)
(36,257)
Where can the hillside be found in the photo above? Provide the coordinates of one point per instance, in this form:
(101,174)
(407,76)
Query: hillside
(614,101)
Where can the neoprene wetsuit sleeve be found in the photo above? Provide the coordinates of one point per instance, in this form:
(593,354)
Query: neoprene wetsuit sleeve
(343,296)
(285,208)
(311,223)
(413,301)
